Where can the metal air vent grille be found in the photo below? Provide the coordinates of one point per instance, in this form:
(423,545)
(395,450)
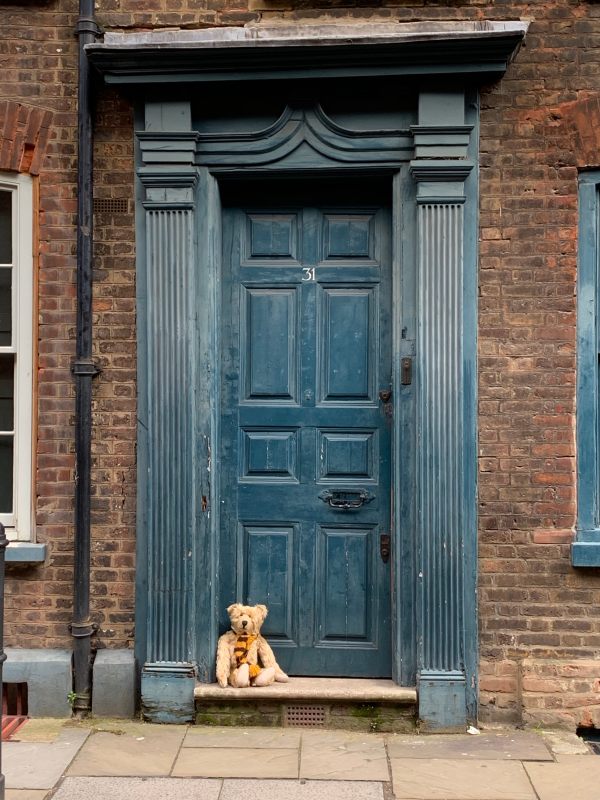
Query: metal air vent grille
(305,716)
(111,205)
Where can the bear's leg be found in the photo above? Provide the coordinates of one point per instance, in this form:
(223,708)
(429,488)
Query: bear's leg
(280,675)
(266,677)
(240,678)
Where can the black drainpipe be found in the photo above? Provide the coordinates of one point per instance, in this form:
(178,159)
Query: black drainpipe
(84,370)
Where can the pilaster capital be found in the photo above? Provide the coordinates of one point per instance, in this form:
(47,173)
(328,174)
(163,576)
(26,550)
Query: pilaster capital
(441,141)
(170,149)
(166,188)
(440,181)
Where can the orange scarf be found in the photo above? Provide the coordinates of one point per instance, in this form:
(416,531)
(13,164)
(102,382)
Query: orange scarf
(243,644)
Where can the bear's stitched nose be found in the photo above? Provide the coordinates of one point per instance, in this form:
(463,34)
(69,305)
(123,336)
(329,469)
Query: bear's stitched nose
(244,623)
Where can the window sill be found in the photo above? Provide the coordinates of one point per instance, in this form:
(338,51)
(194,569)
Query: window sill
(25,553)
(586,553)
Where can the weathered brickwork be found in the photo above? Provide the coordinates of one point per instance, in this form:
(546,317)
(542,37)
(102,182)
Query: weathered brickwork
(539,620)
(39,136)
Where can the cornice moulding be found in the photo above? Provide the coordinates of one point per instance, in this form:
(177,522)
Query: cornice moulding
(482,49)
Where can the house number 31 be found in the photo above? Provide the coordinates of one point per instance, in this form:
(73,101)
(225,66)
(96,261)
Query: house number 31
(309,274)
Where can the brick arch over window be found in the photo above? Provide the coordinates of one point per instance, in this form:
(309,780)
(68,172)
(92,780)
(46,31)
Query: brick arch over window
(24,133)
(581,118)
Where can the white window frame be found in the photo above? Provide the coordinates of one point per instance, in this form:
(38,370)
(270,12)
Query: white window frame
(18,525)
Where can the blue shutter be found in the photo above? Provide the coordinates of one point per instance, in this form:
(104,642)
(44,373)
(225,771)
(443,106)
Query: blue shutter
(586,548)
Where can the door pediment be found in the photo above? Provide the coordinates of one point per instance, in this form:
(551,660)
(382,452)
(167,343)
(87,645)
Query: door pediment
(308,137)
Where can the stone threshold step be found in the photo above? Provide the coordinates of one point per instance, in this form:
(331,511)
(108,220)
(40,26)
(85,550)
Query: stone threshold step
(315,690)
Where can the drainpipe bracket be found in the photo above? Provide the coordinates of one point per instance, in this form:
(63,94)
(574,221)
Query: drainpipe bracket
(88,25)
(85,367)
(81,630)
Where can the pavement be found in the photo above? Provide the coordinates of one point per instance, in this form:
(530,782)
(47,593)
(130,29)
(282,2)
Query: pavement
(111,759)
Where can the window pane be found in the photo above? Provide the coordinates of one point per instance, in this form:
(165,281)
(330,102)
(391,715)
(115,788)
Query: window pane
(7,391)
(6,474)
(5,227)
(5,307)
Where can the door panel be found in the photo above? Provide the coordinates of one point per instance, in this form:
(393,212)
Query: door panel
(344,582)
(347,344)
(305,456)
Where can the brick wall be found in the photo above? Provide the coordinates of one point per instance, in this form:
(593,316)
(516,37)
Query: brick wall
(536,612)
(38,124)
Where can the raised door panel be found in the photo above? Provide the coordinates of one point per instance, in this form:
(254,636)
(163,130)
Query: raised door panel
(269,455)
(345,582)
(270,357)
(347,344)
(266,556)
(271,239)
(347,456)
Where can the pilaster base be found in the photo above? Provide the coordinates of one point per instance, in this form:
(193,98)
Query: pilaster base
(168,692)
(442,701)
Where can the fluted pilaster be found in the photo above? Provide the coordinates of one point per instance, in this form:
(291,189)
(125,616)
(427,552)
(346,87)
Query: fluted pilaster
(445,313)
(171,511)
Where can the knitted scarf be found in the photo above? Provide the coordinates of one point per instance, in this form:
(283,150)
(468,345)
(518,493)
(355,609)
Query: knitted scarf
(242,645)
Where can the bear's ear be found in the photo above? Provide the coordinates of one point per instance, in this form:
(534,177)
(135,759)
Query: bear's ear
(232,608)
(262,611)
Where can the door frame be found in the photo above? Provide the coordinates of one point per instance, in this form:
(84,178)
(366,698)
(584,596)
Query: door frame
(434,215)
(403,547)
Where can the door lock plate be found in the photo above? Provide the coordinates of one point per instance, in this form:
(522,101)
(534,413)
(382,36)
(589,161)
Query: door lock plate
(384,547)
(406,371)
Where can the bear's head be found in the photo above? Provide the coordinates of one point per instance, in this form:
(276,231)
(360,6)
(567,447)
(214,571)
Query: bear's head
(247,619)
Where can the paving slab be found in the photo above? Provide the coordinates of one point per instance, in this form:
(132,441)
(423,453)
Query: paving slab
(41,729)
(460,779)
(565,743)
(495,745)
(336,755)
(39,765)
(25,794)
(301,790)
(148,750)
(246,737)
(214,762)
(138,789)
(577,777)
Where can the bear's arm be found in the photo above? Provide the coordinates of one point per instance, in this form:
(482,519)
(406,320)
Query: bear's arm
(223,661)
(265,654)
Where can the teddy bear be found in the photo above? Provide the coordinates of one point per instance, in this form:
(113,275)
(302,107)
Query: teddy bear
(244,657)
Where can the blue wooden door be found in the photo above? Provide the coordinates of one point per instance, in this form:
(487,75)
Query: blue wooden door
(305,457)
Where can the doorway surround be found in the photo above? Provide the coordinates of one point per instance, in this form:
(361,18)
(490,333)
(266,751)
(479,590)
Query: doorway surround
(432,165)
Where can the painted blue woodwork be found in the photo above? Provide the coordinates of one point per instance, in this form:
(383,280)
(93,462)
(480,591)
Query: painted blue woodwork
(343,586)
(25,553)
(445,374)
(266,569)
(170,421)
(307,341)
(349,456)
(585,551)
(168,693)
(268,454)
(305,136)
(167,432)
(442,700)
(272,236)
